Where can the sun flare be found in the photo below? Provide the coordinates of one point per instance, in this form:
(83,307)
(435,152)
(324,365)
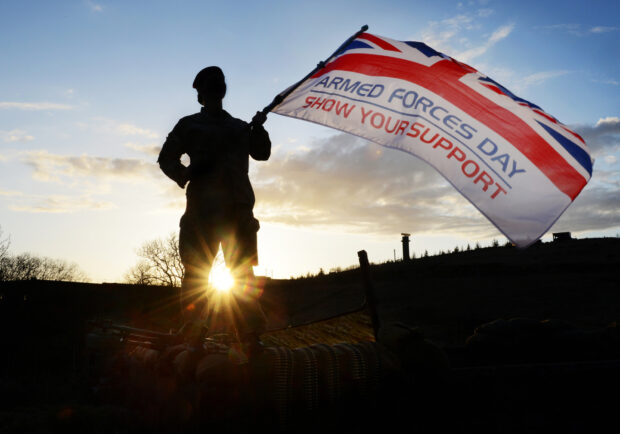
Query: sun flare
(220,278)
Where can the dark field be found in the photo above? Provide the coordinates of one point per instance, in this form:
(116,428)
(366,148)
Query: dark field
(43,385)
(448,296)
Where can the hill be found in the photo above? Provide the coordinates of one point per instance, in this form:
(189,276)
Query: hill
(449,295)
(42,328)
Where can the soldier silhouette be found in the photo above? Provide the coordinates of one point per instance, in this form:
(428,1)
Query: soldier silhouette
(220,198)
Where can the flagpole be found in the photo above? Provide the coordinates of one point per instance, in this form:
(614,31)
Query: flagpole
(281,96)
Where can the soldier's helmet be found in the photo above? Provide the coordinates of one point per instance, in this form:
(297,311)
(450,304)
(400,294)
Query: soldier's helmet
(210,82)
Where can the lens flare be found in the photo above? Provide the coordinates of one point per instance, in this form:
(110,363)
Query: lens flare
(220,278)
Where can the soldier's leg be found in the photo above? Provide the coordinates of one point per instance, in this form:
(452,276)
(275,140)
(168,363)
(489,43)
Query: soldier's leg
(240,252)
(197,248)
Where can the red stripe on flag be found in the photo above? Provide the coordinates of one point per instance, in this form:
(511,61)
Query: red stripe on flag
(380,42)
(442,78)
(495,89)
(545,115)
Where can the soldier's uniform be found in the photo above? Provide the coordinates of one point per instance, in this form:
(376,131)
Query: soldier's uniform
(220,200)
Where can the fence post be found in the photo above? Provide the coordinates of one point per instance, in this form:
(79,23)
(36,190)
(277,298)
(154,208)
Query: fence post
(369,291)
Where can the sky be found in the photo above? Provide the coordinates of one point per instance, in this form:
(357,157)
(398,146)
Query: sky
(90,89)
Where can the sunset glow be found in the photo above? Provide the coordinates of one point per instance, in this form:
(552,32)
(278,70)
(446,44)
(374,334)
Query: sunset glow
(220,278)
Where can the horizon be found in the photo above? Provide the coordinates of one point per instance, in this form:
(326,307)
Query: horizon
(91,90)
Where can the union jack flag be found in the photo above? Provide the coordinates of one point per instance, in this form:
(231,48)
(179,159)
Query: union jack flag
(516,163)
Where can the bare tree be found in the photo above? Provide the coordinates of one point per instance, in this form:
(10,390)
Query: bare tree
(160,263)
(4,245)
(28,267)
(4,252)
(140,274)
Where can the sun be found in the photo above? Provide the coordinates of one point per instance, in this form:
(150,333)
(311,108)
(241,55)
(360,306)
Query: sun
(220,278)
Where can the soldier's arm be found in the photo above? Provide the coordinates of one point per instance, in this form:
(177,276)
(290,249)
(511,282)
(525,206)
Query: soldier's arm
(170,158)
(260,145)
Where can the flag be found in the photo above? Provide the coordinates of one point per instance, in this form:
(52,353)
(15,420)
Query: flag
(514,162)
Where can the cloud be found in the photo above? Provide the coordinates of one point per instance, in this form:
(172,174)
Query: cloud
(578,29)
(603,137)
(519,81)
(608,124)
(53,167)
(345,183)
(535,79)
(34,106)
(603,29)
(608,81)
(85,176)
(148,149)
(596,208)
(60,204)
(501,33)
(132,130)
(449,35)
(15,136)
(109,126)
(174,196)
(564,27)
(95,7)
(471,53)
(10,193)
(439,34)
